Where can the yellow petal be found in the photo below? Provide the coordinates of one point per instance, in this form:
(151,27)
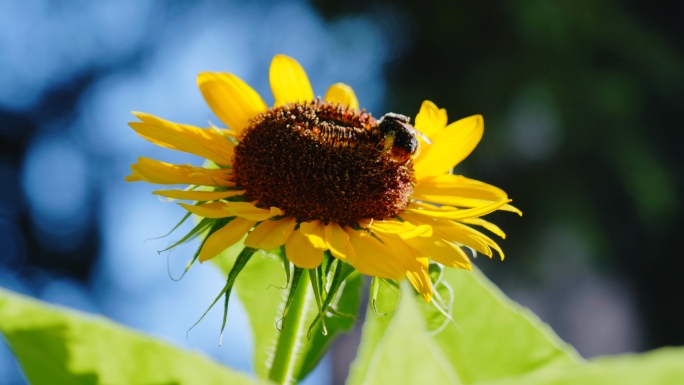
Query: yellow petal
(271,234)
(420,279)
(342,94)
(289,82)
(208,144)
(402,230)
(511,208)
(231,99)
(487,225)
(430,119)
(301,252)
(154,171)
(459,233)
(364,223)
(476,234)
(449,147)
(209,210)
(372,257)
(337,241)
(442,251)
(225,237)
(459,186)
(200,196)
(462,202)
(315,231)
(249,211)
(454,213)
(402,253)
(447,230)
(414,263)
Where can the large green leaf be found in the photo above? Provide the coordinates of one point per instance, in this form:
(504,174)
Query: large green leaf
(660,367)
(403,342)
(58,346)
(494,337)
(379,315)
(491,336)
(294,351)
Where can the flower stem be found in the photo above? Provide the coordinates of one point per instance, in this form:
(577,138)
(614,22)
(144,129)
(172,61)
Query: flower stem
(286,360)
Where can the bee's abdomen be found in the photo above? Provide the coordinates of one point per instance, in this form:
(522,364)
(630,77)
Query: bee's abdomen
(337,125)
(341,135)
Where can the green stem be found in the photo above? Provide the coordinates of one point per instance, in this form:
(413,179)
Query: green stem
(295,327)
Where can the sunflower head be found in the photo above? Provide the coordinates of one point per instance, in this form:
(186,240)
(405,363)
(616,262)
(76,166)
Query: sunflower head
(321,177)
(322,161)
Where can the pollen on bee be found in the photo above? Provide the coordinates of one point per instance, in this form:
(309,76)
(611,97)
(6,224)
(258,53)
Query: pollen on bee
(318,160)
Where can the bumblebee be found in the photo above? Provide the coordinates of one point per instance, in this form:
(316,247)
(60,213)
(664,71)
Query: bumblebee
(401,138)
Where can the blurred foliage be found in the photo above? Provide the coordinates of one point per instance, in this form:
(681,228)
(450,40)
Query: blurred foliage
(490,340)
(56,346)
(582,103)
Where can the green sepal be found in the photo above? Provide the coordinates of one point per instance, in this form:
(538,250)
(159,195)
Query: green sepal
(215,225)
(316,283)
(286,265)
(240,262)
(185,217)
(325,267)
(296,275)
(334,312)
(435,271)
(341,272)
(438,312)
(375,289)
(197,230)
(204,223)
(328,262)
(441,287)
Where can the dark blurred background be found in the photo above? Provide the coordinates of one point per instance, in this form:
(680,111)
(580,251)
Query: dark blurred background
(582,102)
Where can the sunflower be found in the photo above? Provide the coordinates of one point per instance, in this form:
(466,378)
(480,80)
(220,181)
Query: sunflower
(319,177)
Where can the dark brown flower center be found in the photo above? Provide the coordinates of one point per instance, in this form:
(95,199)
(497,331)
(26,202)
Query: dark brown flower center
(321,161)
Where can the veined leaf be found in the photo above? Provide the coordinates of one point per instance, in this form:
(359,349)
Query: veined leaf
(494,337)
(404,342)
(659,367)
(59,346)
(491,337)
